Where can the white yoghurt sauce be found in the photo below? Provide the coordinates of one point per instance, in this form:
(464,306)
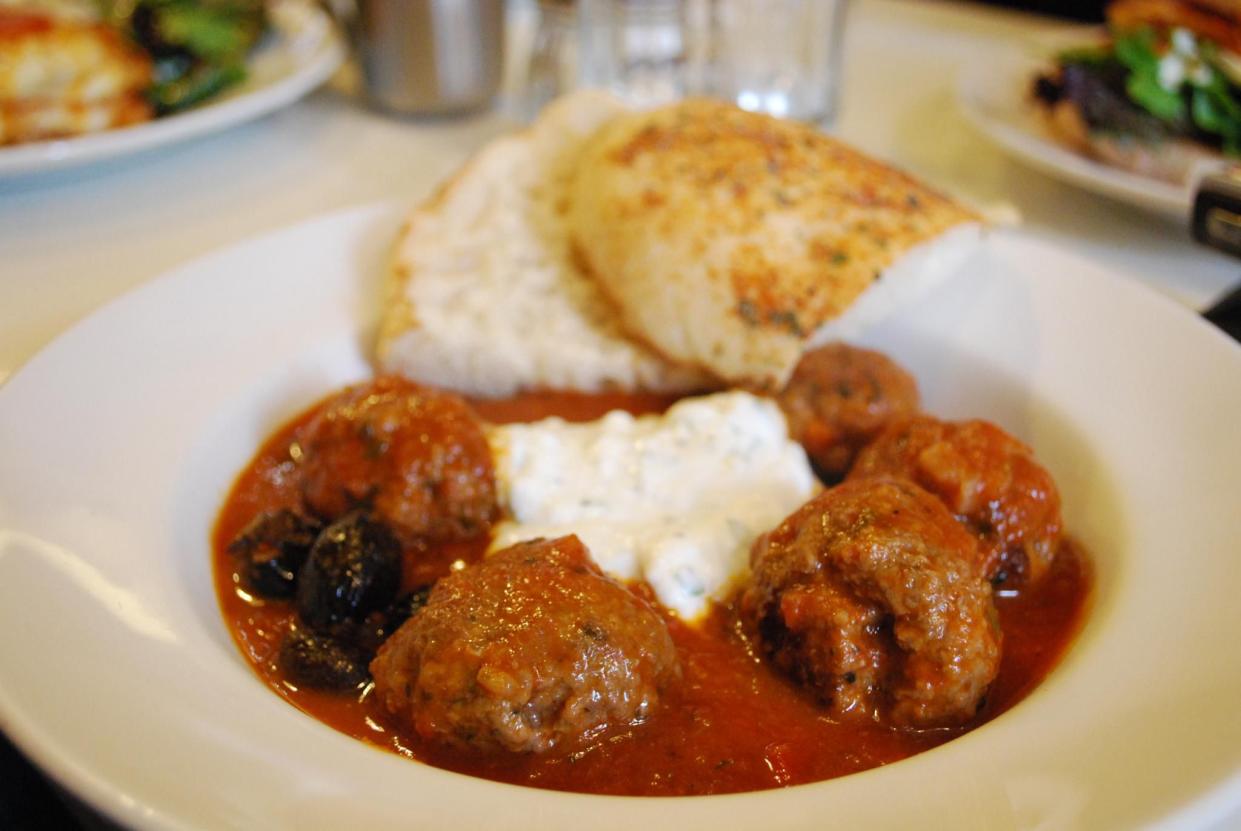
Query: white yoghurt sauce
(675,500)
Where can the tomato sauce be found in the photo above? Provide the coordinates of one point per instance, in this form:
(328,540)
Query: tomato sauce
(732,725)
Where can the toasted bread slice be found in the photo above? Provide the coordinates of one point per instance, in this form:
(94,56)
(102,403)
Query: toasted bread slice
(486,296)
(731,240)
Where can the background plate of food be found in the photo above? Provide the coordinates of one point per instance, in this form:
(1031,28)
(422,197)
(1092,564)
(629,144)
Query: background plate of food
(81,83)
(1138,111)
(127,677)
(995,96)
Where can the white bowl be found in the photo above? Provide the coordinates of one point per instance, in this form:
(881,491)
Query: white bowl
(118,675)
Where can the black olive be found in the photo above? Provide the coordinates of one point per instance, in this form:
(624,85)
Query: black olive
(354,569)
(322,662)
(405,608)
(368,635)
(272,550)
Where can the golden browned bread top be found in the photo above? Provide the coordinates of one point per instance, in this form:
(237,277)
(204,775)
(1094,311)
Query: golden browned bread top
(728,238)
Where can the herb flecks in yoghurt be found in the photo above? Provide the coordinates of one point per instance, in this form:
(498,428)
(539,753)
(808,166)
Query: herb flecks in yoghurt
(675,500)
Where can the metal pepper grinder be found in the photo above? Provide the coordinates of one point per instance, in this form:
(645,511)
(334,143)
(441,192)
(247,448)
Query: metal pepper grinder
(426,57)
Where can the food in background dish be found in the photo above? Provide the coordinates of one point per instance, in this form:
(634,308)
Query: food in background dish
(68,69)
(62,77)
(1159,96)
(688,248)
(198,47)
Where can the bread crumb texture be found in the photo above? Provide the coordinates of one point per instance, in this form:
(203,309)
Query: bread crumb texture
(728,238)
(486,295)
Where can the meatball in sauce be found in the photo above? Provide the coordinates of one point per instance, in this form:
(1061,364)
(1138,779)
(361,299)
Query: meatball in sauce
(839,398)
(870,593)
(987,478)
(535,669)
(415,456)
(533,647)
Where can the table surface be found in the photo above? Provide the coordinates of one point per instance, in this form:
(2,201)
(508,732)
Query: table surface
(70,241)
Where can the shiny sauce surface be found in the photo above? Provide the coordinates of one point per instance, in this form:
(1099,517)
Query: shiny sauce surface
(733,724)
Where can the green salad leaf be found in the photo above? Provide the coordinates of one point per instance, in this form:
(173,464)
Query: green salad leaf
(1218,114)
(215,36)
(199,46)
(1203,99)
(1146,91)
(1136,50)
(195,86)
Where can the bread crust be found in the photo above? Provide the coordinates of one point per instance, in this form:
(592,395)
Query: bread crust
(485,295)
(728,239)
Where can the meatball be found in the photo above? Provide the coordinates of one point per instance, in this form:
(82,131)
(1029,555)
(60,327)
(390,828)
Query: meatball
(416,457)
(531,648)
(986,477)
(870,594)
(839,398)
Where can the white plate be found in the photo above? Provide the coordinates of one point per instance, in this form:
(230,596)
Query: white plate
(300,52)
(994,94)
(118,676)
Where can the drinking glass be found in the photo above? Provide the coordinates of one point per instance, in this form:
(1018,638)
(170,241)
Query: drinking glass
(780,57)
